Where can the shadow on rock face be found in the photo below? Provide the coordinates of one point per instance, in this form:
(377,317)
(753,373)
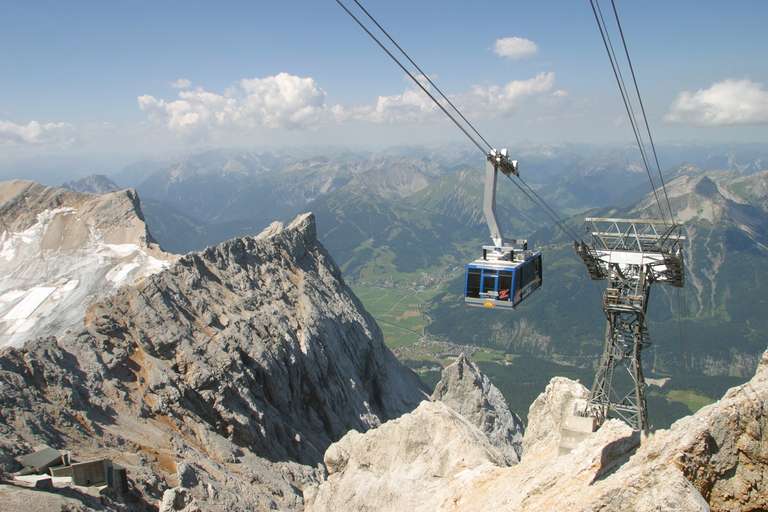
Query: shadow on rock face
(615,454)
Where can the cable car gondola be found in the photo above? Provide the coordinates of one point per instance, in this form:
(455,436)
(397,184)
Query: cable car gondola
(503,284)
(506,274)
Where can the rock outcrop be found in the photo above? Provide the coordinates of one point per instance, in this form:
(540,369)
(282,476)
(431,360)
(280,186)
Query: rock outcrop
(60,250)
(716,459)
(218,382)
(548,413)
(722,450)
(466,390)
(404,464)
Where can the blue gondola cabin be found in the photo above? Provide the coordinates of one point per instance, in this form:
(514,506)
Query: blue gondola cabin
(504,284)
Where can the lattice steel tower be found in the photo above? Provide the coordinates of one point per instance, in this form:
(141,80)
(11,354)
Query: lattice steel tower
(631,254)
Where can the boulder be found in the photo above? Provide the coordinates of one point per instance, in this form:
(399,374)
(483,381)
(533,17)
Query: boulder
(549,413)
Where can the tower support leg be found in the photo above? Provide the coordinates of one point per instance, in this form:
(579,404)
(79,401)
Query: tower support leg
(619,386)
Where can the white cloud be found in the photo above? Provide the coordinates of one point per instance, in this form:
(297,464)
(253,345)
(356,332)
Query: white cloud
(488,100)
(560,93)
(410,106)
(480,101)
(283,101)
(35,133)
(291,102)
(729,102)
(279,101)
(515,47)
(181,83)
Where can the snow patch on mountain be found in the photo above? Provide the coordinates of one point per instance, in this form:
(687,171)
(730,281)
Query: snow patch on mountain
(54,261)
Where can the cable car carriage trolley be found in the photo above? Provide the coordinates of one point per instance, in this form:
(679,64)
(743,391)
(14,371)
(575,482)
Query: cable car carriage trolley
(507,273)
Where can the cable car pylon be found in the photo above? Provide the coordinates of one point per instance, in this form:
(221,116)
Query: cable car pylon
(631,255)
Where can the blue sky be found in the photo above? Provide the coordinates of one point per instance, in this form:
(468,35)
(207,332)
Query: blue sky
(78,69)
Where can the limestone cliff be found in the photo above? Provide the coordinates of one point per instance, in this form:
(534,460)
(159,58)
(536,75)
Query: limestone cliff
(218,381)
(716,459)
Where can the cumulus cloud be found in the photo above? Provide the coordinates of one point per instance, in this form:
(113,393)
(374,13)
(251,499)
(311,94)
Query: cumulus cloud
(283,101)
(279,101)
(35,133)
(480,101)
(181,83)
(291,102)
(729,102)
(492,99)
(515,47)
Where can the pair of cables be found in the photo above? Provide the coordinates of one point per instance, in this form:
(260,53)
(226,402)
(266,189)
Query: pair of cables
(449,108)
(628,101)
(469,130)
(637,128)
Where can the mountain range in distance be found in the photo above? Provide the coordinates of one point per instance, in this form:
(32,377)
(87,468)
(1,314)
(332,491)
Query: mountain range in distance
(402,223)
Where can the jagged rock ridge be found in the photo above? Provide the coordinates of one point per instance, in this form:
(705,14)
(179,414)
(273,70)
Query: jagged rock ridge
(716,459)
(466,390)
(215,377)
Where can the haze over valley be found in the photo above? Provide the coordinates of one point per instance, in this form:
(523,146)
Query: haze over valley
(515,261)
(401,224)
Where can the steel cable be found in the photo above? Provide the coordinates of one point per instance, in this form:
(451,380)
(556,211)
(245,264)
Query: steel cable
(619,79)
(425,75)
(642,108)
(543,204)
(539,201)
(397,61)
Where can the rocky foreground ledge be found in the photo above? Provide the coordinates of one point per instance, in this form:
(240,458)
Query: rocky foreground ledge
(433,459)
(249,377)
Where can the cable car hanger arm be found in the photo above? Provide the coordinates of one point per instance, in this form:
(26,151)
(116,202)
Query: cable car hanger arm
(497,159)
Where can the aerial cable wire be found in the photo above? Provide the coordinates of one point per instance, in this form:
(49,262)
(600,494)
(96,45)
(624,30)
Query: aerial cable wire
(400,64)
(540,202)
(604,33)
(642,108)
(543,204)
(622,85)
(424,74)
(536,203)
(617,74)
(552,212)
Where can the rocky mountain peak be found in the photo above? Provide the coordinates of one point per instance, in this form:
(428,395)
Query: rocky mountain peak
(547,414)
(466,390)
(762,365)
(60,250)
(219,379)
(700,199)
(304,226)
(93,184)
